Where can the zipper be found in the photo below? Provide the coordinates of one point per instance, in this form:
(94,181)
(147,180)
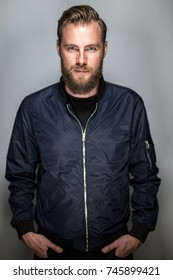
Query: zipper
(147,145)
(83,131)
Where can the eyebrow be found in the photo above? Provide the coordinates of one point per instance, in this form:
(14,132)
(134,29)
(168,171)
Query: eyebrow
(89,45)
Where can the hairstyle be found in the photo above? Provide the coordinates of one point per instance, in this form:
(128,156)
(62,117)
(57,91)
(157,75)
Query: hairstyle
(80,14)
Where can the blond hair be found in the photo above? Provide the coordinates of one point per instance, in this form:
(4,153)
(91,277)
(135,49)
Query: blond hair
(80,14)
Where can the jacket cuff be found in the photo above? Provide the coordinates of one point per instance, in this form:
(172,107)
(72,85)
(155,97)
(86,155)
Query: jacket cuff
(24,227)
(140,232)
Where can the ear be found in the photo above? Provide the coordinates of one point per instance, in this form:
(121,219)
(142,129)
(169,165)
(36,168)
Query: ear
(105,48)
(58,47)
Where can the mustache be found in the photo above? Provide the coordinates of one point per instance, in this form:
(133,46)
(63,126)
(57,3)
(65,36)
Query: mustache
(81,68)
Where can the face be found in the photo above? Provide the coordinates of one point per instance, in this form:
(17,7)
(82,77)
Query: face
(82,52)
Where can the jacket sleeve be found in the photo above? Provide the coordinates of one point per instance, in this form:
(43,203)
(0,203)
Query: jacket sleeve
(22,161)
(143,175)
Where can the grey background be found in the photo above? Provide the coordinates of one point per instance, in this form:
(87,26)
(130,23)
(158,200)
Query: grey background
(140,56)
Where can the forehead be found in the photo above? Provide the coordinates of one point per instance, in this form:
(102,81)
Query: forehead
(81,32)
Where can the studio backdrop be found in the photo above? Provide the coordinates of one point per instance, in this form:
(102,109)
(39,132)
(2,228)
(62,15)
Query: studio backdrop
(139,56)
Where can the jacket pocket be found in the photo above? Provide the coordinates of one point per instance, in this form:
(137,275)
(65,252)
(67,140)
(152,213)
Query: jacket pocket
(149,153)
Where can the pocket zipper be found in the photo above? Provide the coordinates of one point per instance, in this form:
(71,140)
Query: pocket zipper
(147,145)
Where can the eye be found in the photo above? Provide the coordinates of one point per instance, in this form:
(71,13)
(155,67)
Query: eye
(71,48)
(91,48)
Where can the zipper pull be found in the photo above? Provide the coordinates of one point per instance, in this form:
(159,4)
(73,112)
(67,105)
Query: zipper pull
(147,144)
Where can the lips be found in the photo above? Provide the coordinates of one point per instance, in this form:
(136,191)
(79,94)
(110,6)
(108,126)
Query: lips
(81,71)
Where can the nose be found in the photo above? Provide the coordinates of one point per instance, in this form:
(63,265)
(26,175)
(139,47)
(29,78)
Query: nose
(81,58)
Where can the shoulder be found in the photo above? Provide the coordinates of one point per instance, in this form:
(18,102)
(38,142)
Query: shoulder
(117,92)
(36,101)
(121,90)
(40,96)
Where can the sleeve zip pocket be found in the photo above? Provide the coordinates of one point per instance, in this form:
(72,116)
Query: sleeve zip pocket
(147,146)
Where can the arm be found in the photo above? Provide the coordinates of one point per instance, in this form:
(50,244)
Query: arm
(143,179)
(145,183)
(22,161)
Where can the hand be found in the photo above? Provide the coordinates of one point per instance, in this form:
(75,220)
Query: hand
(39,244)
(124,246)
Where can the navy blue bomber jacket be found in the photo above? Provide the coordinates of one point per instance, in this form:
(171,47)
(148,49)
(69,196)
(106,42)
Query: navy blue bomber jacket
(82,175)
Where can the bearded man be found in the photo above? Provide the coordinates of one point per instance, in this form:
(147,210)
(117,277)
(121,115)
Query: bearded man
(79,144)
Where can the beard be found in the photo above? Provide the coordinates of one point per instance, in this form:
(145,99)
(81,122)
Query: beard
(81,85)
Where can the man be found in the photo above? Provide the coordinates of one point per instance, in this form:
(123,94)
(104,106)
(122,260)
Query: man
(80,144)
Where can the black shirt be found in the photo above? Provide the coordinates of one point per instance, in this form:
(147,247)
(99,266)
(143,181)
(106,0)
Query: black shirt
(82,107)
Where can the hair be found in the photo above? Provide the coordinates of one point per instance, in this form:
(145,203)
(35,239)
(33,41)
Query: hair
(79,15)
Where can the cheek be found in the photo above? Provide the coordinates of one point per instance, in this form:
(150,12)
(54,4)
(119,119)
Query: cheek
(96,61)
(68,61)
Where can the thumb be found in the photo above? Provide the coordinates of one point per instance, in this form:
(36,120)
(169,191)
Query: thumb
(110,247)
(55,247)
